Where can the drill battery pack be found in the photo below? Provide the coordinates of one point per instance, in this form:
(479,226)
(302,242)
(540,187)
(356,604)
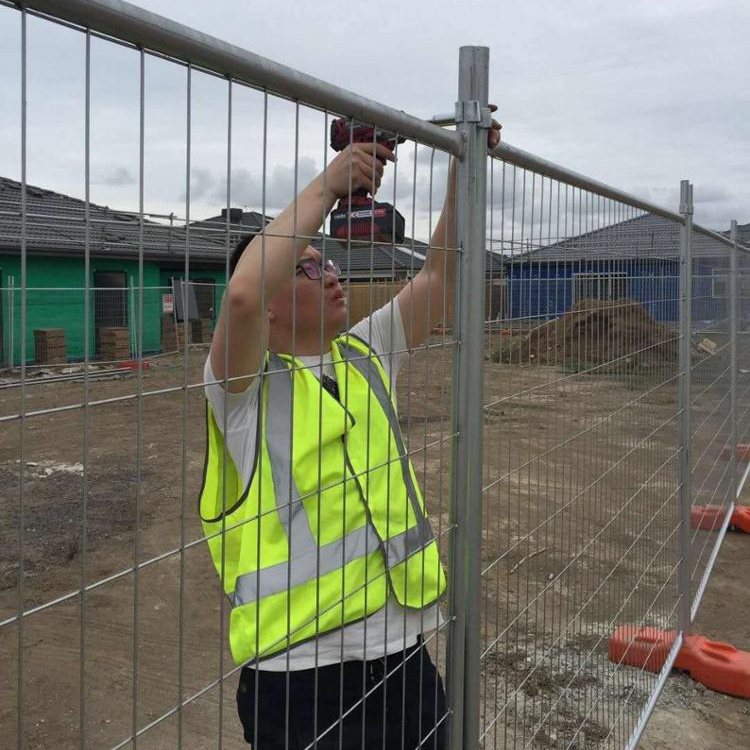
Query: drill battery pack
(364,219)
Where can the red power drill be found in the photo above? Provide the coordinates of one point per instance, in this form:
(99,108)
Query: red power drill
(358,216)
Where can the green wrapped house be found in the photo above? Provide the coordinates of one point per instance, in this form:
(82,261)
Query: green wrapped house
(57,233)
(57,230)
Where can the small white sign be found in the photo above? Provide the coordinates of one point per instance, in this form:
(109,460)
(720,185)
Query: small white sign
(167,303)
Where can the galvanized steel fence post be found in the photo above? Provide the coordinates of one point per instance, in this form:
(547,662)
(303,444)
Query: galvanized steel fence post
(733,311)
(11,322)
(472,119)
(683,465)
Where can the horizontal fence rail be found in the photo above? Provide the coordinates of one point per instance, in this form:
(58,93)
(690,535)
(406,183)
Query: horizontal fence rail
(222,519)
(154,32)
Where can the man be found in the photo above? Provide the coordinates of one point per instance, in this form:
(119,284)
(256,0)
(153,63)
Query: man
(312,510)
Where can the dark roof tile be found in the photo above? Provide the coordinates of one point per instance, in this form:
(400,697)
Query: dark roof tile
(645,237)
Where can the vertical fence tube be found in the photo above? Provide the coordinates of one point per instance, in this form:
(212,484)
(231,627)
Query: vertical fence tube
(132,320)
(84,530)
(683,465)
(11,323)
(733,315)
(21,599)
(466,494)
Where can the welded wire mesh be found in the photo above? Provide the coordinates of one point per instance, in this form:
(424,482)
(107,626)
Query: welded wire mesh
(55,335)
(581,408)
(106,571)
(743,362)
(713,461)
(107,574)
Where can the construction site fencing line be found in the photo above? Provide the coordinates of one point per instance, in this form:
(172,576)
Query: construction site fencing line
(553,372)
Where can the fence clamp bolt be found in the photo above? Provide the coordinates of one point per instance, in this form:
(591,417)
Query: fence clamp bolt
(471,111)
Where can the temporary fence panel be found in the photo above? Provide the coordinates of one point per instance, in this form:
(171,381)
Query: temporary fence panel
(561,414)
(713,455)
(742,371)
(132,612)
(580,475)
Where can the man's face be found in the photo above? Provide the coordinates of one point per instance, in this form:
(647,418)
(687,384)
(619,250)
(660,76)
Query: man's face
(304,300)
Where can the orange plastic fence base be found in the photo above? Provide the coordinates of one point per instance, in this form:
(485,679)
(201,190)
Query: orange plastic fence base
(645,647)
(719,666)
(710,517)
(743,452)
(134,364)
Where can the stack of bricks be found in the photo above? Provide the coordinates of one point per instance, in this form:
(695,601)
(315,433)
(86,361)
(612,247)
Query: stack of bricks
(168,334)
(114,343)
(173,333)
(201,331)
(49,346)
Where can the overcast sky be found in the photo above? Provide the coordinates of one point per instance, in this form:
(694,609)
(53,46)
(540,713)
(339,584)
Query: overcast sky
(637,94)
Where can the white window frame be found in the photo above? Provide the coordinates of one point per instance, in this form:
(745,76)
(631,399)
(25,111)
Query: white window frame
(608,278)
(720,277)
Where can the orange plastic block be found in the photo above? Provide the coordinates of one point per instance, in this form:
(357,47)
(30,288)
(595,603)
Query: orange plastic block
(711,517)
(134,364)
(645,646)
(740,519)
(743,452)
(719,666)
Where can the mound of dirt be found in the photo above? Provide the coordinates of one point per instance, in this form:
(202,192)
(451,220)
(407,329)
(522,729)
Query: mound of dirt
(596,332)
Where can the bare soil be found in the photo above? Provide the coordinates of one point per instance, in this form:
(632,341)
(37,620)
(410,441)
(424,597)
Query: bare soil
(620,333)
(578,536)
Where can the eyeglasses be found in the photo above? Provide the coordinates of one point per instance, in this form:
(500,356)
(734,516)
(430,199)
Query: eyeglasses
(313,269)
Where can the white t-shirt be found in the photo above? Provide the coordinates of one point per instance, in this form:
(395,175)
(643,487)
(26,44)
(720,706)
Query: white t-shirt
(390,629)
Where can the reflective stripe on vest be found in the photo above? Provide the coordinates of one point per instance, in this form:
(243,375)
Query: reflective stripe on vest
(421,534)
(276,578)
(279,445)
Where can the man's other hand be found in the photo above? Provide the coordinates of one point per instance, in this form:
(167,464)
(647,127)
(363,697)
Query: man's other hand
(493,134)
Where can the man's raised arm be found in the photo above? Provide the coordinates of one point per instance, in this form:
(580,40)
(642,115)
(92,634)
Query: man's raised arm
(241,335)
(422,302)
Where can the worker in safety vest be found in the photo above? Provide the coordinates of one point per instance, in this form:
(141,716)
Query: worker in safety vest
(312,510)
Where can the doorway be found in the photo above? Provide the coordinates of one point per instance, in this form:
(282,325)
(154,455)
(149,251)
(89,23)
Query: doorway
(110,302)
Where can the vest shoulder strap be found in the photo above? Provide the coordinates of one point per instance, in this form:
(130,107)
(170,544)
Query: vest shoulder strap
(370,357)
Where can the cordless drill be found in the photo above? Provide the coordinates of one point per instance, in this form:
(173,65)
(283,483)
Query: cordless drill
(358,216)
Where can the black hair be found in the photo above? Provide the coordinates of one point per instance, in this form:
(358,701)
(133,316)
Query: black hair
(239,248)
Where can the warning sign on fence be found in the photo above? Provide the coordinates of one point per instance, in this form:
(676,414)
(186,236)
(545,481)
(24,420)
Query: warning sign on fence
(167,303)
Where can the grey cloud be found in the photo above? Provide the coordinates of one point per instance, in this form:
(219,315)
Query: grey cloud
(708,193)
(429,158)
(718,215)
(116,176)
(247,187)
(203,184)
(423,190)
(715,205)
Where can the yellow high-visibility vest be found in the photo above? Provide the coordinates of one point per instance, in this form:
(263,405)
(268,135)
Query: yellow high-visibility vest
(332,517)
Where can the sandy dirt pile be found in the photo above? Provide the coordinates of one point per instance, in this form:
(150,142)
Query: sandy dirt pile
(597,331)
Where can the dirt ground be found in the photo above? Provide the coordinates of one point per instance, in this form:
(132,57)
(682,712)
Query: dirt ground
(578,536)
